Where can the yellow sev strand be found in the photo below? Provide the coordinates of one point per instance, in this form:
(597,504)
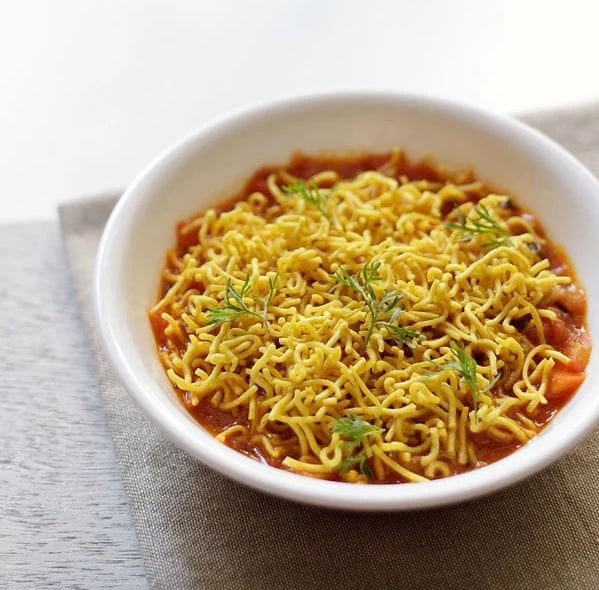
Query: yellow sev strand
(309,365)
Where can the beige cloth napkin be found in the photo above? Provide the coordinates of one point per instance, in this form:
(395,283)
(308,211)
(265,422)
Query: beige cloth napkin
(197,529)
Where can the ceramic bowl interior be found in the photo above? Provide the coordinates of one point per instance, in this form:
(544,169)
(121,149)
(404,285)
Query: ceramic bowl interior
(213,163)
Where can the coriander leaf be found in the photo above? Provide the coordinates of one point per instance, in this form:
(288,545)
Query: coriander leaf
(401,334)
(466,367)
(354,429)
(235,307)
(481,223)
(272,284)
(370,272)
(382,312)
(310,194)
(360,460)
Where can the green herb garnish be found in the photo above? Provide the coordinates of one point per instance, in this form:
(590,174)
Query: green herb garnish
(234,306)
(360,460)
(354,430)
(401,334)
(310,194)
(482,223)
(466,366)
(362,283)
(272,283)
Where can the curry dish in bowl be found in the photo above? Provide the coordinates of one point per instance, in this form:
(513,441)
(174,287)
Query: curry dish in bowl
(399,316)
(372,320)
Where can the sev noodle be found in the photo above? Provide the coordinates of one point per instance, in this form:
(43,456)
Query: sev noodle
(277,380)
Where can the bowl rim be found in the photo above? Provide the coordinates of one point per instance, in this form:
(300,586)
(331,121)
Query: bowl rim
(533,457)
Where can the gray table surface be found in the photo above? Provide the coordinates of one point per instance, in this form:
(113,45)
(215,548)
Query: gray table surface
(64,520)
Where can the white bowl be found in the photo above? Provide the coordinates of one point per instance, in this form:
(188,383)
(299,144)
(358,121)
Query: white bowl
(212,163)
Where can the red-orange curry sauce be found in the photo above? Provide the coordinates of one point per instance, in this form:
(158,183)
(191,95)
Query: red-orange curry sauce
(567,333)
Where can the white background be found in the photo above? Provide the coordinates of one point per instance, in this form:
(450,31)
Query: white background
(90,91)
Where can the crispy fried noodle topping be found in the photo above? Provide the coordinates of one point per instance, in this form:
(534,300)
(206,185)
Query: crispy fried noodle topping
(366,330)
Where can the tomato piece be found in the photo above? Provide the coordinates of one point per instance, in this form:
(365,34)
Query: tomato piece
(158,324)
(556,331)
(563,383)
(578,350)
(570,298)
